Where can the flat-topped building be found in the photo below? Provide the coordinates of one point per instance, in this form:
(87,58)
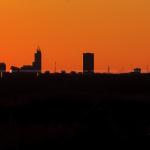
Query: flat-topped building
(88,63)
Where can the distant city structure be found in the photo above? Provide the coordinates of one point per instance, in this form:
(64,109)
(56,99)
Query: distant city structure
(14,69)
(108,69)
(137,70)
(63,72)
(2,67)
(88,63)
(36,66)
(27,68)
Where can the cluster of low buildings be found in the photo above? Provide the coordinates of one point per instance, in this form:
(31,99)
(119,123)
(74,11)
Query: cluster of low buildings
(35,67)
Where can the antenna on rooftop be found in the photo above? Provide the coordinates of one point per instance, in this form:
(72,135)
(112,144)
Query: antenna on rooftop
(147,69)
(55,67)
(108,69)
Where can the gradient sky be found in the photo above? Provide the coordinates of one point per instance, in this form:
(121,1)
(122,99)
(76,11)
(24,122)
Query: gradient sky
(117,31)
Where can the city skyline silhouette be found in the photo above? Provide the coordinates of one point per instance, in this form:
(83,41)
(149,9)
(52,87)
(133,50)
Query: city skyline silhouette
(33,68)
(74,74)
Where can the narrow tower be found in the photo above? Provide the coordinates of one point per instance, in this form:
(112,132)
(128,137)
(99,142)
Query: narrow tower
(37,64)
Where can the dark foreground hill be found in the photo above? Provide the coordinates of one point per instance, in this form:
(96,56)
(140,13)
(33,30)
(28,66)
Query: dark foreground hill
(74,111)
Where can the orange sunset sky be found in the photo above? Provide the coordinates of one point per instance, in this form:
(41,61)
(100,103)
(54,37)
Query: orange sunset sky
(117,31)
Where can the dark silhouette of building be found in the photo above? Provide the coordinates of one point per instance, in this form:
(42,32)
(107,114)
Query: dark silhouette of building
(14,69)
(27,68)
(73,73)
(137,70)
(88,62)
(37,64)
(2,67)
(63,72)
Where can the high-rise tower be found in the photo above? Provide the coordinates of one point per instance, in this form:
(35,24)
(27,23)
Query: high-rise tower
(88,62)
(37,64)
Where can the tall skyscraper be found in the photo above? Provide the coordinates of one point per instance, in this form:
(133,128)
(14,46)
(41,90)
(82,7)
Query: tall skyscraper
(2,67)
(37,64)
(88,63)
